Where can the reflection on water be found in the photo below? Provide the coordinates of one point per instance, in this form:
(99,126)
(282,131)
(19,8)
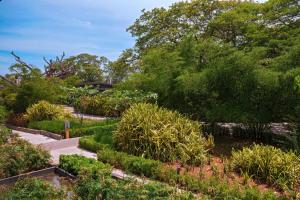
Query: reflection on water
(59,182)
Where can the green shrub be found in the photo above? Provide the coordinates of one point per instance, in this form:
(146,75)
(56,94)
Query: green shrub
(33,189)
(3,113)
(91,187)
(158,133)
(89,143)
(44,110)
(213,187)
(102,138)
(94,181)
(74,163)
(133,164)
(18,156)
(88,127)
(268,164)
(5,134)
(112,103)
(98,130)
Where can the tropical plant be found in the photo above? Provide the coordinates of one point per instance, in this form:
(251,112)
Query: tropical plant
(153,132)
(44,110)
(113,103)
(268,164)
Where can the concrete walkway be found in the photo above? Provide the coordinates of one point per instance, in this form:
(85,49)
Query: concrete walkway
(65,147)
(56,147)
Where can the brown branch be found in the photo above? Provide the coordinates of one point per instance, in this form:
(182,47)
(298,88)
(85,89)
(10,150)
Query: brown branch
(19,60)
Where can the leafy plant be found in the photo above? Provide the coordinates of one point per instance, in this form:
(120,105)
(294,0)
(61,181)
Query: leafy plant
(74,163)
(268,164)
(94,181)
(18,156)
(214,187)
(33,188)
(153,132)
(44,110)
(112,103)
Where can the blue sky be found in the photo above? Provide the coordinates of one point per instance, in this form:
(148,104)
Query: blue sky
(37,28)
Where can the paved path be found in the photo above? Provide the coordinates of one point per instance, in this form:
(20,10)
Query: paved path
(34,139)
(56,147)
(65,147)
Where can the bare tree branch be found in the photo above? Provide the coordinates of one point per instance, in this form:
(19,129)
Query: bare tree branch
(19,60)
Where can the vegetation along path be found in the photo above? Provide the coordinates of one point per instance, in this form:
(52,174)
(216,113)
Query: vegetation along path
(62,147)
(56,147)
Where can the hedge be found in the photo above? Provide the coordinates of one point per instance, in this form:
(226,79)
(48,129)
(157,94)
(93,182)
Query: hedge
(94,180)
(77,130)
(213,187)
(102,138)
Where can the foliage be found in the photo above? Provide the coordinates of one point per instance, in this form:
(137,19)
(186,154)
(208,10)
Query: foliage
(3,113)
(18,156)
(89,143)
(33,188)
(74,93)
(34,90)
(74,163)
(268,164)
(5,134)
(160,134)
(120,69)
(78,129)
(112,103)
(44,110)
(212,187)
(95,181)
(221,61)
(91,187)
(102,138)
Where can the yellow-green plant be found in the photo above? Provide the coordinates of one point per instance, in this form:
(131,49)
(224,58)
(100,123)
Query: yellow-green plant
(157,133)
(268,164)
(44,110)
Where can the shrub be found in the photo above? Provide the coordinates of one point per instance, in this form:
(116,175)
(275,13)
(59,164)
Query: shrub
(94,181)
(92,187)
(112,103)
(101,139)
(77,129)
(3,113)
(74,163)
(89,143)
(268,164)
(213,187)
(158,133)
(5,134)
(18,156)
(33,188)
(44,110)
(98,130)
(34,90)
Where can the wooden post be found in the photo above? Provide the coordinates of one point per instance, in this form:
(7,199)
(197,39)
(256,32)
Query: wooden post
(67,129)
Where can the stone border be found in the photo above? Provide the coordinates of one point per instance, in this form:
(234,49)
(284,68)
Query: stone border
(56,170)
(34,131)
